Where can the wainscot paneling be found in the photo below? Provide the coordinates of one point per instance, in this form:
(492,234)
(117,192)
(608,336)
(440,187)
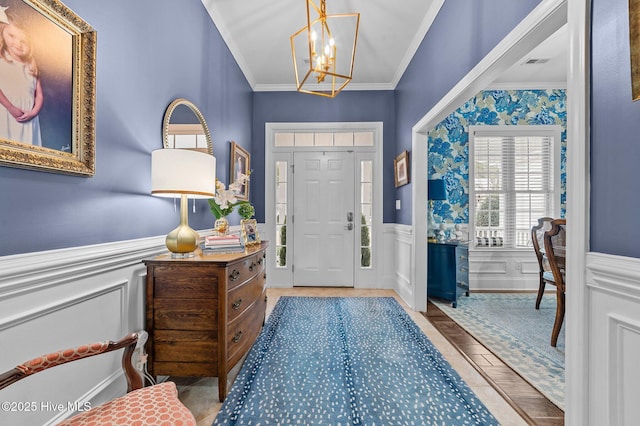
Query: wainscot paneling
(503,270)
(398,245)
(61,299)
(613,285)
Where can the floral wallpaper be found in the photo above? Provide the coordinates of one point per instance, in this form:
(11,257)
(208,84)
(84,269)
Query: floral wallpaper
(449,141)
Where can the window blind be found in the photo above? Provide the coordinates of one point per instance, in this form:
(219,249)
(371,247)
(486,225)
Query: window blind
(513,185)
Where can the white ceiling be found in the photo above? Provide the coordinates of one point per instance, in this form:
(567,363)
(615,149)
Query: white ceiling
(257,33)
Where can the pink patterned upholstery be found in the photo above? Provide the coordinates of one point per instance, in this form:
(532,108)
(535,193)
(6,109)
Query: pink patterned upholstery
(151,406)
(156,405)
(61,357)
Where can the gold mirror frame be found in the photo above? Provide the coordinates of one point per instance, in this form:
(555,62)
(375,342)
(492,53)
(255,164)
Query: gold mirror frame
(167,121)
(81,159)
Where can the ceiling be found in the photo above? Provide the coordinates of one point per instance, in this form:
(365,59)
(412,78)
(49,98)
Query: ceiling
(257,33)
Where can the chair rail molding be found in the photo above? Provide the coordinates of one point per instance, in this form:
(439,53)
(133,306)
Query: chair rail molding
(66,298)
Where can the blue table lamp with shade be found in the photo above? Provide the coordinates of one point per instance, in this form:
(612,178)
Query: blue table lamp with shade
(436,191)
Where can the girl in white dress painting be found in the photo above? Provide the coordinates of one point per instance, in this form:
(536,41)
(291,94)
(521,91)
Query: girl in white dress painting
(20,89)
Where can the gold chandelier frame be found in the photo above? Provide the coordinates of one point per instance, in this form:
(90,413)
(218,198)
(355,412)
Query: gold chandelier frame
(323,66)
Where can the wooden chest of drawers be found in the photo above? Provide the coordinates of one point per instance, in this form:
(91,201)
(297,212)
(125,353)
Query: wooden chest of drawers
(204,313)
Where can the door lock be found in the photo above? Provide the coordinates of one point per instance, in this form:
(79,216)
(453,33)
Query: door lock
(350,217)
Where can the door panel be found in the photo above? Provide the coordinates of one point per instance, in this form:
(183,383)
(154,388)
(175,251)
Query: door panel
(324,195)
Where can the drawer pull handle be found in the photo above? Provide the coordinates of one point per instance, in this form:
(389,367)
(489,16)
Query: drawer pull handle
(236,338)
(265,276)
(260,261)
(236,304)
(234,275)
(463,269)
(264,254)
(252,266)
(463,257)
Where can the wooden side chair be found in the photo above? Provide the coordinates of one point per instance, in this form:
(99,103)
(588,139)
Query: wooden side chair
(537,238)
(152,405)
(555,242)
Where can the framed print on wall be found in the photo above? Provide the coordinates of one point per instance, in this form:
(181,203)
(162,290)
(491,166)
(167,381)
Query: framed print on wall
(47,111)
(401,169)
(240,164)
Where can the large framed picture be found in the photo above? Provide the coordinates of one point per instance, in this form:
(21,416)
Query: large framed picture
(634,45)
(401,169)
(240,165)
(249,232)
(47,85)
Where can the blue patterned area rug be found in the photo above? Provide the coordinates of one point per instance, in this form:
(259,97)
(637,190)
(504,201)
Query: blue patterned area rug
(509,326)
(347,361)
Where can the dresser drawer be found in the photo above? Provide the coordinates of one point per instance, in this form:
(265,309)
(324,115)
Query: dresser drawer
(242,332)
(185,283)
(184,346)
(243,296)
(240,272)
(185,314)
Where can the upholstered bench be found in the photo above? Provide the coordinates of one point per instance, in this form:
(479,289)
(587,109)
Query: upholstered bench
(154,405)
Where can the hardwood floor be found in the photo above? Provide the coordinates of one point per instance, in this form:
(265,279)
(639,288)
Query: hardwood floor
(534,407)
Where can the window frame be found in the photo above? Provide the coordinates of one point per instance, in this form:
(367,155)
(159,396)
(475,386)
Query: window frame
(552,131)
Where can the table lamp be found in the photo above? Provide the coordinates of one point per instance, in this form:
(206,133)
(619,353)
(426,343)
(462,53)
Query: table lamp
(187,174)
(436,191)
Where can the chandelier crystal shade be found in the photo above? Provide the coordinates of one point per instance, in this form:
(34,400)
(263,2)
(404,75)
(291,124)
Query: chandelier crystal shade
(324,50)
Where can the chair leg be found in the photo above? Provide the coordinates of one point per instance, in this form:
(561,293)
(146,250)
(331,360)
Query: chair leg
(540,292)
(557,325)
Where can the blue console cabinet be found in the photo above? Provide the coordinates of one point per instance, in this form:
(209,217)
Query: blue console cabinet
(448,271)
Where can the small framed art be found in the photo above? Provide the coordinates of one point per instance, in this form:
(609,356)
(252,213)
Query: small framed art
(401,169)
(250,232)
(240,165)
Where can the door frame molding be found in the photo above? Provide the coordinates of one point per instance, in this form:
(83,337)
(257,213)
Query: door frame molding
(547,17)
(283,277)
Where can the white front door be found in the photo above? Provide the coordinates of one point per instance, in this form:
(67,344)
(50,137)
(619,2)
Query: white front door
(323,219)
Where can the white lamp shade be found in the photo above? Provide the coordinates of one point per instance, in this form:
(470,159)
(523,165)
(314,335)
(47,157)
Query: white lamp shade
(181,171)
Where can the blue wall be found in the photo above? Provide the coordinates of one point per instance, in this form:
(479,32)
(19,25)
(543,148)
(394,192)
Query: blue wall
(615,130)
(149,53)
(273,107)
(461,35)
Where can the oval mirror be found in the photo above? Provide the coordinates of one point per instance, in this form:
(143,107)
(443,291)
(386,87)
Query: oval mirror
(184,127)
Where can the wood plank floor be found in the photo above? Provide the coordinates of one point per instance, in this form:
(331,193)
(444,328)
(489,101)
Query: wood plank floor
(534,407)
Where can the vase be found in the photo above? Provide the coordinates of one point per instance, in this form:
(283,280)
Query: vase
(221,226)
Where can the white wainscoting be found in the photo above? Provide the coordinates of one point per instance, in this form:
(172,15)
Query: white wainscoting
(61,299)
(398,244)
(503,270)
(613,307)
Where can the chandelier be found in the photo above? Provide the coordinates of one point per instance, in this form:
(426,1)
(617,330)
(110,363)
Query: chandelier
(323,51)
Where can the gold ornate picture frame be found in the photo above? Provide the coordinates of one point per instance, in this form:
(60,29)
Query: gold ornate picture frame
(634,45)
(249,232)
(63,50)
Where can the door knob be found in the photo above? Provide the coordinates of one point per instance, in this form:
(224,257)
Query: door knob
(349,226)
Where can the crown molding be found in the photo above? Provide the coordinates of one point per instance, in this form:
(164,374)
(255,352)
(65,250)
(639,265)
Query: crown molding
(417,40)
(210,7)
(528,86)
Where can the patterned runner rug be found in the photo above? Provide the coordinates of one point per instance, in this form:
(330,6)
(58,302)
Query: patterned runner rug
(509,326)
(347,361)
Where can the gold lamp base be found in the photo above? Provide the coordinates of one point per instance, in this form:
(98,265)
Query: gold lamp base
(183,240)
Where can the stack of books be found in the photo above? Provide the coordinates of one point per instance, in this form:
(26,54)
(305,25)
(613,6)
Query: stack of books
(222,244)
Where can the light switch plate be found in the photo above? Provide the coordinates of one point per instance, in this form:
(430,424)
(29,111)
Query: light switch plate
(397,204)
